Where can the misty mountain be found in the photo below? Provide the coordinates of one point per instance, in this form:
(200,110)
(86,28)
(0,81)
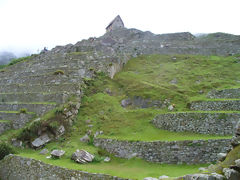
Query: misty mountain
(6,57)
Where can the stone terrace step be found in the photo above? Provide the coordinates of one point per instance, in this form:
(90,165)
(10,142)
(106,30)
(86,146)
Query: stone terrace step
(74,71)
(4,126)
(223,105)
(18,120)
(198,122)
(44,79)
(35,97)
(38,108)
(225,94)
(52,87)
(175,152)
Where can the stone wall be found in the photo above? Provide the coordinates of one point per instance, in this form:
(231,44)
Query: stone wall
(15,168)
(39,109)
(18,120)
(229,105)
(175,152)
(225,94)
(203,123)
(34,97)
(4,126)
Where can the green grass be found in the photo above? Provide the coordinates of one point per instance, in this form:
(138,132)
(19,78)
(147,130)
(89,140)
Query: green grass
(5,121)
(148,77)
(106,114)
(134,168)
(15,61)
(15,112)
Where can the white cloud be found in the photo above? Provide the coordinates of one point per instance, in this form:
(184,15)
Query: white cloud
(33,24)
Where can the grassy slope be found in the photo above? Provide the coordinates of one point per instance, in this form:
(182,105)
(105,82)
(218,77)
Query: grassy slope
(149,77)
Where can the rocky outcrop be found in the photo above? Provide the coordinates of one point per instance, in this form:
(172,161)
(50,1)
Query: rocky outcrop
(175,152)
(16,167)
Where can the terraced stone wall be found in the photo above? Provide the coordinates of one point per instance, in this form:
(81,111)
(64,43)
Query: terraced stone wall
(16,167)
(4,126)
(175,152)
(225,93)
(229,105)
(203,123)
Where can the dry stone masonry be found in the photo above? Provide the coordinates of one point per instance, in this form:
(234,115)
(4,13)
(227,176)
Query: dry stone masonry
(203,123)
(226,105)
(175,152)
(16,167)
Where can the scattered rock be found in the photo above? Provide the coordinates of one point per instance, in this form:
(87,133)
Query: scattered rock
(125,102)
(57,153)
(107,159)
(44,151)
(202,169)
(48,157)
(174,81)
(85,138)
(237,162)
(170,108)
(235,141)
(213,176)
(17,143)
(150,178)
(221,156)
(60,131)
(231,174)
(98,133)
(81,156)
(88,121)
(163,177)
(41,141)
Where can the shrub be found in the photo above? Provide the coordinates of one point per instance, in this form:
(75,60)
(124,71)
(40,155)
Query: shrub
(23,110)
(58,72)
(97,158)
(5,149)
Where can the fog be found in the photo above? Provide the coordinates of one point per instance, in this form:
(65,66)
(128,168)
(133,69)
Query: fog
(27,26)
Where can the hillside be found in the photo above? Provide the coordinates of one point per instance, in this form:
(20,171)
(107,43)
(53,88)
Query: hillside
(155,104)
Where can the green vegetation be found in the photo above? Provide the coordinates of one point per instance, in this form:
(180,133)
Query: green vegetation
(156,77)
(15,61)
(134,168)
(23,110)
(5,149)
(58,72)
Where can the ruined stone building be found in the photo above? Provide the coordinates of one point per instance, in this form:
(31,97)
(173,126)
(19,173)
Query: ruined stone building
(115,24)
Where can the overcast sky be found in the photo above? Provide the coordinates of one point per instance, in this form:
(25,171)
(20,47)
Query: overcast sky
(32,24)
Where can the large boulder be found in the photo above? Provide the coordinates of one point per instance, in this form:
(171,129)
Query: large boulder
(213,176)
(231,174)
(150,178)
(81,156)
(40,141)
(57,153)
(221,156)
